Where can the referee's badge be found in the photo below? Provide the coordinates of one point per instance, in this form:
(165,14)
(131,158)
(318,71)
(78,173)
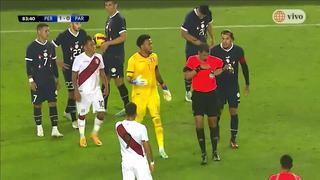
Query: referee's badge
(151,59)
(211,75)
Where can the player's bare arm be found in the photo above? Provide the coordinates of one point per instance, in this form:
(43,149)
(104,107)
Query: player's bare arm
(56,75)
(210,32)
(33,85)
(122,38)
(148,151)
(104,79)
(62,65)
(158,76)
(77,95)
(190,38)
(166,92)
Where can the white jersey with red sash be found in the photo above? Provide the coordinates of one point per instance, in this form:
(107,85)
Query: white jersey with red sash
(131,134)
(88,72)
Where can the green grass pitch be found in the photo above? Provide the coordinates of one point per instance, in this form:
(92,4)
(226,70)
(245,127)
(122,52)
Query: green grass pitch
(281,114)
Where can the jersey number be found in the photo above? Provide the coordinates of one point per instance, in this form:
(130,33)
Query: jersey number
(34,98)
(101,104)
(76,52)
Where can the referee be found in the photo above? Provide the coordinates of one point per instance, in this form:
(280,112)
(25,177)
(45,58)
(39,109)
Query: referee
(113,56)
(202,69)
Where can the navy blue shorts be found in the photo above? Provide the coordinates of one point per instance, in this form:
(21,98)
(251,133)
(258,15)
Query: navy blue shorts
(67,74)
(230,96)
(113,65)
(44,92)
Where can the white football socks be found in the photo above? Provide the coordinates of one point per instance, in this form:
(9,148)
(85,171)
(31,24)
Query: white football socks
(82,125)
(97,124)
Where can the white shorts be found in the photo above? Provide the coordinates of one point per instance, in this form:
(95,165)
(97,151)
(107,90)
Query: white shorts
(136,170)
(87,99)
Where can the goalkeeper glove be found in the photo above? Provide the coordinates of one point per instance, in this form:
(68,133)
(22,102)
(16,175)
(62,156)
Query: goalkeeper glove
(166,93)
(139,81)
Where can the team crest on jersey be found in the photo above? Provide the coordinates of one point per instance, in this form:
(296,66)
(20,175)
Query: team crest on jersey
(96,60)
(151,59)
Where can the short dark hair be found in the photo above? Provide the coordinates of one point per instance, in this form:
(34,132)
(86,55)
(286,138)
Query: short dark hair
(41,25)
(141,39)
(204,9)
(131,109)
(203,47)
(286,161)
(113,1)
(228,32)
(87,39)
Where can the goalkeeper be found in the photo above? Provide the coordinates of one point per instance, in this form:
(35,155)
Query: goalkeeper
(143,73)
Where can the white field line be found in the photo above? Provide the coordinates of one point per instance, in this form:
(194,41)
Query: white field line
(173,28)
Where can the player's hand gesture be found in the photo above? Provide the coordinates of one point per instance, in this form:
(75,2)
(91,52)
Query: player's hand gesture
(139,81)
(229,68)
(151,167)
(246,90)
(204,66)
(197,42)
(77,95)
(104,46)
(33,86)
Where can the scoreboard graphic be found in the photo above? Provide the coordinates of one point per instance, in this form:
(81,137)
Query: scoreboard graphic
(54,18)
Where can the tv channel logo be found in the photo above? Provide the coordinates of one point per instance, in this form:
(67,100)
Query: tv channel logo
(289,16)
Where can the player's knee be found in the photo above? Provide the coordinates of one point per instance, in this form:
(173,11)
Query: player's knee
(37,105)
(71,95)
(52,104)
(233,111)
(157,121)
(100,116)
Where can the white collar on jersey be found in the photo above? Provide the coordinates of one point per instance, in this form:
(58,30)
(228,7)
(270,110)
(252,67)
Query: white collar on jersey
(41,42)
(226,49)
(75,35)
(114,14)
(195,11)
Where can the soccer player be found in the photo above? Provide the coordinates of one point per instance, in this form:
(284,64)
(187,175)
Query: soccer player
(71,42)
(228,85)
(285,174)
(196,26)
(113,55)
(143,73)
(137,160)
(87,69)
(202,69)
(42,72)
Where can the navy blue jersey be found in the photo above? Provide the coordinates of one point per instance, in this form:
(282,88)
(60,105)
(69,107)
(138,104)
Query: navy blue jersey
(71,44)
(234,55)
(197,28)
(115,25)
(41,62)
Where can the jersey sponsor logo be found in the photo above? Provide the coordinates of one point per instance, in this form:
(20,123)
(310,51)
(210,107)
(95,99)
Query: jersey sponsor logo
(289,16)
(90,69)
(131,143)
